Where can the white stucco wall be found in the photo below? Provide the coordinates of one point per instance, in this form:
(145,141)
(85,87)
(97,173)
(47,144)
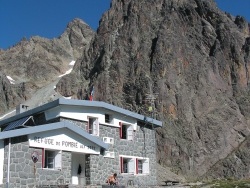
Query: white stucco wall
(1,160)
(63,139)
(82,114)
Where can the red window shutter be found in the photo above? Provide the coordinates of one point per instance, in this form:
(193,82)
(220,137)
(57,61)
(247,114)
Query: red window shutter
(136,163)
(43,157)
(121,164)
(120,123)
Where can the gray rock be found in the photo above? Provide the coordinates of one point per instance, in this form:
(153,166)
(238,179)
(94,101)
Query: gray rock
(189,57)
(193,58)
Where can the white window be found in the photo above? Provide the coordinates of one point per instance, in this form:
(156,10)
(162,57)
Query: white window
(52,159)
(126,131)
(139,167)
(93,126)
(109,154)
(108,140)
(134,165)
(127,165)
(1,160)
(142,166)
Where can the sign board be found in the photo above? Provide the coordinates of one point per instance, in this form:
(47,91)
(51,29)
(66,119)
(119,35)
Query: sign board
(34,156)
(63,139)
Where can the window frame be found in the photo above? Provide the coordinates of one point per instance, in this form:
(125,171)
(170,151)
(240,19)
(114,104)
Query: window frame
(127,165)
(108,118)
(134,165)
(93,128)
(109,154)
(108,140)
(53,157)
(126,131)
(144,168)
(139,166)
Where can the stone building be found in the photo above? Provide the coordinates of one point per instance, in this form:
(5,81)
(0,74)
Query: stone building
(77,142)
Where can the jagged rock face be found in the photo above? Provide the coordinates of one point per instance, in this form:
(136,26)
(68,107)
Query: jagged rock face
(11,95)
(236,165)
(78,35)
(193,58)
(39,61)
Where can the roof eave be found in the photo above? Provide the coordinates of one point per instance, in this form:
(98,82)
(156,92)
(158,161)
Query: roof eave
(98,104)
(53,126)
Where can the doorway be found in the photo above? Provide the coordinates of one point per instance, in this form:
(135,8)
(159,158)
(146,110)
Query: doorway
(78,169)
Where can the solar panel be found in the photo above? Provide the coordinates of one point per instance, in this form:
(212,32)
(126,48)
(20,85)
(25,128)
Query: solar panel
(17,123)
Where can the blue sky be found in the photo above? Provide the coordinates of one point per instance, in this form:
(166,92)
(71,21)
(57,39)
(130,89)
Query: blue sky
(49,18)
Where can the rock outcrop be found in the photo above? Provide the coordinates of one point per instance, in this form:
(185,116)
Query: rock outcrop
(38,62)
(11,95)
(190,62)
(234,166)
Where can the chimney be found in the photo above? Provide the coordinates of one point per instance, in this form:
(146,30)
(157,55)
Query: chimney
(21,108)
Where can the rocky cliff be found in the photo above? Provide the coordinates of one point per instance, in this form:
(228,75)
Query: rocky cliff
(35,63)
(191,62)
(187,60)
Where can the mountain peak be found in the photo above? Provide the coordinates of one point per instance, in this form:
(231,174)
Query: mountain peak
(77,22)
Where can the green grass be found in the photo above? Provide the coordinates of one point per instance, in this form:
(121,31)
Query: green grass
(226,184)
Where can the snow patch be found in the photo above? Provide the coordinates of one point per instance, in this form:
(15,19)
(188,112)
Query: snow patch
(67,97)
(7,114)
(67,72)
(12,81)
(72,63)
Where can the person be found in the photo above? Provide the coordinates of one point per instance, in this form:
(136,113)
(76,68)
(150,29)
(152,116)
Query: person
(112,179)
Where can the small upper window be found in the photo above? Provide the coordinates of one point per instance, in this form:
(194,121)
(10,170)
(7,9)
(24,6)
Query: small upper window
(108,118)
(93,126)
(108,140)
(126,131)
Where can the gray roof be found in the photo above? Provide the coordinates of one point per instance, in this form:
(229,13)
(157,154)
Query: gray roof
(53,126)
(98,104)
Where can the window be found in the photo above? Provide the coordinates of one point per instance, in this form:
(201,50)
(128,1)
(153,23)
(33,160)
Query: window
(93,126)
(108,140)
(49,159)
(127,165)
(134,165)
(108,118)
(52,159)
(139,167)
(142,166)
(126,131)
(109,154)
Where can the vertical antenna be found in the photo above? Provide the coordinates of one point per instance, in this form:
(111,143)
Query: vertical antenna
(151,97)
